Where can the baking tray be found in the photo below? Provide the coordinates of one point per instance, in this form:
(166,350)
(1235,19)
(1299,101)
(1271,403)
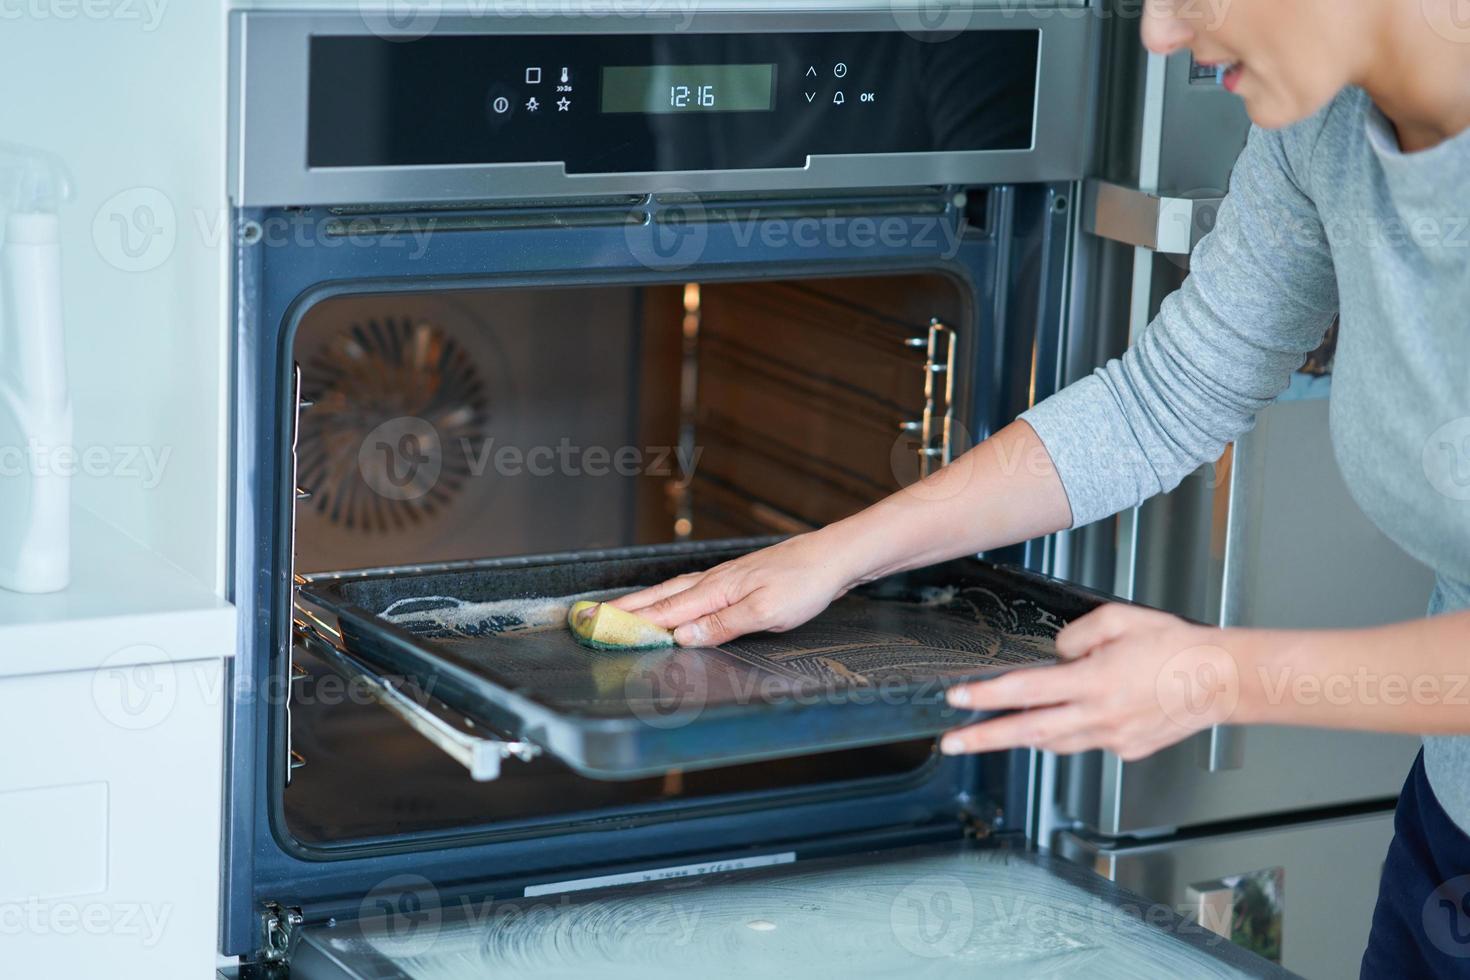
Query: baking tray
(488,638)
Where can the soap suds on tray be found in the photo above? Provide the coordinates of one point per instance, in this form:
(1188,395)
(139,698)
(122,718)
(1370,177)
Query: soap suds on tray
(449,616)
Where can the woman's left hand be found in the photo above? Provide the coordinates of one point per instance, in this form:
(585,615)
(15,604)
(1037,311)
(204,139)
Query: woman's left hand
(1130,680)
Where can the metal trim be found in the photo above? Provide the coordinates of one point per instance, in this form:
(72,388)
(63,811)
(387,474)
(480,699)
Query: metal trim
(269,90)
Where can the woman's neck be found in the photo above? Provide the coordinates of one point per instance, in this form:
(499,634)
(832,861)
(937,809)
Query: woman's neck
(1419,76)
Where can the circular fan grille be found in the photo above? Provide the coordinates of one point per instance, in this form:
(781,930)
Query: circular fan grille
(399,407)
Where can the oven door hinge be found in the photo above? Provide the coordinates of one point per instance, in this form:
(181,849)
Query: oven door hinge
(278,932)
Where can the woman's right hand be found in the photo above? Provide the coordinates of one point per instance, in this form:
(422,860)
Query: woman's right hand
(777,588)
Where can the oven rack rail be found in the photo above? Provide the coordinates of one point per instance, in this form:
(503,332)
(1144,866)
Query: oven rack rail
(449,731)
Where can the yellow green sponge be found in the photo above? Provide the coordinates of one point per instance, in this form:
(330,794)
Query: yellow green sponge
(604,627)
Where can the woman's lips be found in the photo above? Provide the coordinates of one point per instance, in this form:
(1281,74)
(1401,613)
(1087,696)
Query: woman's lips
(1231,78)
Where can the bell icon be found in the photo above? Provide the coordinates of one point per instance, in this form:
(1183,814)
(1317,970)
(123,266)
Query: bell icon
(838,99)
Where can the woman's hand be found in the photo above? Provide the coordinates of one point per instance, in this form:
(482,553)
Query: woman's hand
(1132,681)
(777,588)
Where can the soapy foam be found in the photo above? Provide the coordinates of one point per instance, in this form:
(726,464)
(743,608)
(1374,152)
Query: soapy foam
(450,616)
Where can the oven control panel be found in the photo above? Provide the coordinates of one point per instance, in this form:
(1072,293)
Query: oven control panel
(628,103)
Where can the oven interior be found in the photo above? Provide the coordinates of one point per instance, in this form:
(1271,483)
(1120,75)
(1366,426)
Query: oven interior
(445,424)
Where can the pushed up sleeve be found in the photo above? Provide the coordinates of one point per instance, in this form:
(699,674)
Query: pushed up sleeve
(1260,296)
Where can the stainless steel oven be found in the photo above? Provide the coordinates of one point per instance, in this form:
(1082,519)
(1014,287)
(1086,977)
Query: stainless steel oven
(527,306)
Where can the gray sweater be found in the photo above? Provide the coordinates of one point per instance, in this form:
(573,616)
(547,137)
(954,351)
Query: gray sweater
(1325,217)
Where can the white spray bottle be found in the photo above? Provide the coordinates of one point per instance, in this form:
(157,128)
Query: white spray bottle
(35,409)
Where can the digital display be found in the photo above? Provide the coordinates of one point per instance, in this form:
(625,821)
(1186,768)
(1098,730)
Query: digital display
(689,88)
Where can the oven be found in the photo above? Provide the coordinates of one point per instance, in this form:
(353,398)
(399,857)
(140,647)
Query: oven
(538,305)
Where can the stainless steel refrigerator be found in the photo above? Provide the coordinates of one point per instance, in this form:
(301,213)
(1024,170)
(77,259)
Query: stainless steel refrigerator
(1273,836)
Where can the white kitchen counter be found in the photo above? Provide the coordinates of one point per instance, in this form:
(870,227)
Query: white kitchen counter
(125,605)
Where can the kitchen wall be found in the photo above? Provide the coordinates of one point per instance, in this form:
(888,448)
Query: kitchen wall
(131,94)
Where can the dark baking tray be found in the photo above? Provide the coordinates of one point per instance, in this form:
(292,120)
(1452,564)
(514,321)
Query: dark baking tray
(871,669)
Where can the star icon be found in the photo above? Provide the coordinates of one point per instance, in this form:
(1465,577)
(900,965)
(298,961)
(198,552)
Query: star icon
(532,105)
(563,104)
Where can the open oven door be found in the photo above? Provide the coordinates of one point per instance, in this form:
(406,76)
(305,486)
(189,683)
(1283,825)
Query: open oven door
(951,909)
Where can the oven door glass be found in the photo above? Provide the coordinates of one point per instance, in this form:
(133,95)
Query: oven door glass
(958,909)
(490,639)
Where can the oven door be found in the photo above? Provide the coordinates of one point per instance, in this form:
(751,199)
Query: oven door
(955,909)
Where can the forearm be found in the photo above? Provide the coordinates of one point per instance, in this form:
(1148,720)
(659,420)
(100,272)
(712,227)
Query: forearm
(1003,491)
(1411,677)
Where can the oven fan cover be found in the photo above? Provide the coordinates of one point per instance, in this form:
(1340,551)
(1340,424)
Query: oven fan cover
(399,397)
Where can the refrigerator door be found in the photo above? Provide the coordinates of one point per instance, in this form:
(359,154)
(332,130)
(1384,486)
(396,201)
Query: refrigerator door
(1268,537)
(1301,893)
(1286,547)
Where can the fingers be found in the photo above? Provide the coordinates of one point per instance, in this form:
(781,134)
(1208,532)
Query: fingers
(1103,625)
(1023,688)
(1040,728)
(705,596)
(722,625)
(636,601)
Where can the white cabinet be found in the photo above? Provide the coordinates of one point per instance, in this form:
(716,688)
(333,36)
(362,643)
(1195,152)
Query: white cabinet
(113,698)
(110,810)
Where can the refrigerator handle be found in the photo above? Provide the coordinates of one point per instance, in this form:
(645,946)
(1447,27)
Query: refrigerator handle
(1168,225)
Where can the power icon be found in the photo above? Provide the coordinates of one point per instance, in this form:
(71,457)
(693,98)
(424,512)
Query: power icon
(501,104)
